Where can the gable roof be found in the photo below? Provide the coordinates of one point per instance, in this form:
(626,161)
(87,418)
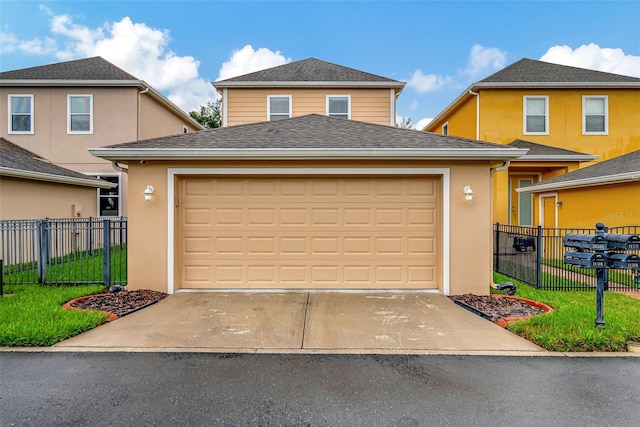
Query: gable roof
(531,74)
(532,71)
(624,168)
(312,136)
(540,152)
(95,71)
(309,72)
(16,162)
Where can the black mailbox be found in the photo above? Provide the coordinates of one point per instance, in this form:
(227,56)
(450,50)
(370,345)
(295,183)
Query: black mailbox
(585,259)
(623,261)
(625,242)
(585,241)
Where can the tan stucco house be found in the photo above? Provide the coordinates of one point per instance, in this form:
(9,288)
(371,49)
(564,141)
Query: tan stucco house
(58,111)
(310,202)
(31,187)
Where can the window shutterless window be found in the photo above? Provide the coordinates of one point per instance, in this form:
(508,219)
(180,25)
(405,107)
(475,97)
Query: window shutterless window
(278,107)
(109,198)
(21,114)
(339,106)
(595,115)
(445,129)
(536,115)
(80,114)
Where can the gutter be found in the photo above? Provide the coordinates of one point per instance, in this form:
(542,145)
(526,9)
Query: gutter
(115,154)
(60,179)
(580,183)
(557,158)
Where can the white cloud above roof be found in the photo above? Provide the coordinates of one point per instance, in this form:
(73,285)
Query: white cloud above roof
(247,60)
(594,57)
(483,60)
(427,82)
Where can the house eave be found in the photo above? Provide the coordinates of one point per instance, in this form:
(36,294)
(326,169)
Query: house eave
(556,158)
(59,179)
(581,183)
(321,84)
(122,154)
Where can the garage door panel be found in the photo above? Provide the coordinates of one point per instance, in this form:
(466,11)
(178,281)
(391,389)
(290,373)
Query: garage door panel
(324,232)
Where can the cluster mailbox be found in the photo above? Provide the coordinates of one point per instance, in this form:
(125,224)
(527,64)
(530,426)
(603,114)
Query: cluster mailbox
(602,251)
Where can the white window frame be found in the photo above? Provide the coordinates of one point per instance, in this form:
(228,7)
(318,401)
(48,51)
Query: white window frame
(445,129)
(98,195)
(339,96)
(546,114)
(185,129)
(278,114)
(606,114)
(10,114)
(79,132)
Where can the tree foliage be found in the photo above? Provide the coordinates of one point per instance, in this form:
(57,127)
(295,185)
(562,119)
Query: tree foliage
(209,115)
(406,123)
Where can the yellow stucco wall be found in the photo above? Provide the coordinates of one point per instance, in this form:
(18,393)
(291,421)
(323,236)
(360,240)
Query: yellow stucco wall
(612,204)
(470,240)
(250,105)
(462,120)
(27,199)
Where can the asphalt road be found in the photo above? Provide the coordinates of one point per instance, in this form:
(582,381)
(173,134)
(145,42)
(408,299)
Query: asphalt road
(197,389)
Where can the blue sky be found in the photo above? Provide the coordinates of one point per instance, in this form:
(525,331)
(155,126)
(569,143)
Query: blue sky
(438,47)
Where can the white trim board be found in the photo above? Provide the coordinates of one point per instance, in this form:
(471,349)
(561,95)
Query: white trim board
(443,172)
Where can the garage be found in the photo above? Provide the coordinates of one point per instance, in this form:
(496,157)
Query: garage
(334,232)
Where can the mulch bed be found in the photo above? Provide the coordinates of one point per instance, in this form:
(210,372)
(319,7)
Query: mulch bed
(120,303)
(497,307)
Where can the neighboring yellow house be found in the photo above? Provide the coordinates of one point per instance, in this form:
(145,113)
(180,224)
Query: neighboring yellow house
(309,86)
(593,114)
(60,110)
(607,192)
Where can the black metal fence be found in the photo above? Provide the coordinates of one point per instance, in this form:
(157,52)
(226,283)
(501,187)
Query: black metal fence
(64,251)
(534,255)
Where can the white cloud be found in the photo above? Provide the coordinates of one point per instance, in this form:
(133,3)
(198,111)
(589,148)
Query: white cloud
(423,122)
(427,82)
(594,57)
(36,46)
(248,60)
(485,59)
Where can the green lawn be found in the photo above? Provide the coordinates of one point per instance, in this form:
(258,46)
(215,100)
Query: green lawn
(570,327)
(31,315)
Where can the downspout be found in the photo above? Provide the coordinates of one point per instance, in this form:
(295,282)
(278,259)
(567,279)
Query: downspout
(477,95)
(143,91)
(119,168)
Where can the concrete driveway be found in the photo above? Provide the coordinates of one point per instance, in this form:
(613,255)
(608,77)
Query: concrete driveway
(303,321)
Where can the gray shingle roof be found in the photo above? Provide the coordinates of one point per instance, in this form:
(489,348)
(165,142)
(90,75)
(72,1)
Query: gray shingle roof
(19,159)
(312,131)
(95,68)
(621,165)
(544,150)
(309,70)
(532,71)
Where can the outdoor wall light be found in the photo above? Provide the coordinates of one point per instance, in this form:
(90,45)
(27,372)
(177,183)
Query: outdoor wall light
(148,192)
(559,203)
(468,193)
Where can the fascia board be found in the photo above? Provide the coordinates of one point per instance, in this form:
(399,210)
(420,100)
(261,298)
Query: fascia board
(84,83)
(118,154)
(39,176)
(269,84)
(572,85)
(556,158)
(584,182)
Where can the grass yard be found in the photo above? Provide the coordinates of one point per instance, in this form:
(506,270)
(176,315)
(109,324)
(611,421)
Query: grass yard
(31,315)
(570,327)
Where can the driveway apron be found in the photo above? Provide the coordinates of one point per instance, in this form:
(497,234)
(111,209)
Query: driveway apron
(299,321)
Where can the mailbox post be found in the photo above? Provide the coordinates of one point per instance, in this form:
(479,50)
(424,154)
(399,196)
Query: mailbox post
(601,251)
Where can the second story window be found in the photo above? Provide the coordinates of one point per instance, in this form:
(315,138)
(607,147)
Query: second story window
(595,115)
(536,115)
(80,114)
(21,114)
(445,129)
(339,106)
(278,107)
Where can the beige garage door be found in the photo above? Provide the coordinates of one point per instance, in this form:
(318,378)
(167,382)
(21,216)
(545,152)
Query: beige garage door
(308,232)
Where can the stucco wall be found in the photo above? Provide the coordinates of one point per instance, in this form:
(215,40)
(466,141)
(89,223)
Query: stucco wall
(470,223)
(26,199)
(156,120)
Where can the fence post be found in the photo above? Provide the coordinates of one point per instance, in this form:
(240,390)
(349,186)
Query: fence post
(106,232)
(539,259)
(496,249)
(1,277)
(42,257)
